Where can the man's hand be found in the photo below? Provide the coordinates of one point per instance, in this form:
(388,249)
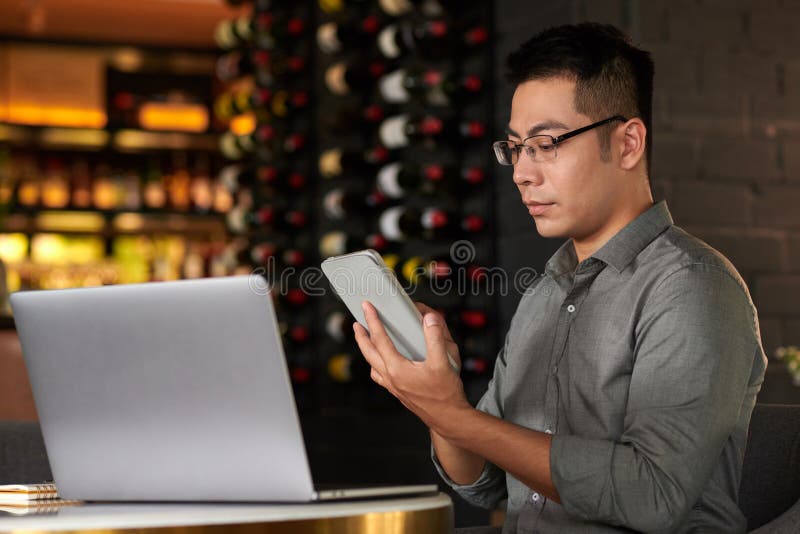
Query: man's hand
(430,389)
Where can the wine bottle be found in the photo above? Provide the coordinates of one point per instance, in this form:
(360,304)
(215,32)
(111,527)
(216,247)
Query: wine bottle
(336,243)
(340,203)
(415,268)
(355,32)
(432,37)
(267,141)
(268,216)
(339,326)
(278,177)
(277,29)
(345,77)
(400,223)
(398,179)
(360,119)
(346,368)
(400,131)
(234,33)
(265,251)
(469,319)
(337,162)
(433,86)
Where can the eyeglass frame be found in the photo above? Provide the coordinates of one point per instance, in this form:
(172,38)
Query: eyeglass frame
(559,139)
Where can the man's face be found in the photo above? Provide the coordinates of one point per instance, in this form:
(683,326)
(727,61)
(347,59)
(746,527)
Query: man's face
(577,187)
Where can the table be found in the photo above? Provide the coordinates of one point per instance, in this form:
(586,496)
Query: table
(419,515)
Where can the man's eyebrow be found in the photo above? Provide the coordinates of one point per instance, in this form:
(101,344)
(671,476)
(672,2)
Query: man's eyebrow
(542,126)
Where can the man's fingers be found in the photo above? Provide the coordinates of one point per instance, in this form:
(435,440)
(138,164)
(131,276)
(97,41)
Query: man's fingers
(368,349)
(378,334)
(424,309)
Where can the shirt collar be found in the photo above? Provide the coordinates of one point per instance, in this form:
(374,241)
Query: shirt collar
(621,249)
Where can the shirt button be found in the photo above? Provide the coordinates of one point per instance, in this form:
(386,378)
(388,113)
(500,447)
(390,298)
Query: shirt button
(548,431)
(571,308)
(555,369)
(535,497)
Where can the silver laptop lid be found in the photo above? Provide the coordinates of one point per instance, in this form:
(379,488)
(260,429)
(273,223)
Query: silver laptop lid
(164,391)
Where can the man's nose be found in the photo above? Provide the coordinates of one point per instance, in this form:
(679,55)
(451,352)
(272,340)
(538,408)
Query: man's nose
(526,172)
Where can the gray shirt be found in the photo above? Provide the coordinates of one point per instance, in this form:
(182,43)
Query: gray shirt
(644,362)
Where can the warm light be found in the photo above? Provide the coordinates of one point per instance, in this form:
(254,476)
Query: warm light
(13,247)
(128,222)
(49,248)
(180,117)
(68,221)
(138,140)
(56,116)
(244,124)
(67,137)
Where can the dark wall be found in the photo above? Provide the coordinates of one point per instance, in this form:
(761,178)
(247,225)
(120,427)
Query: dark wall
(727,140)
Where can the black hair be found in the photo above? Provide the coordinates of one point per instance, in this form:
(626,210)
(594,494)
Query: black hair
(612,77)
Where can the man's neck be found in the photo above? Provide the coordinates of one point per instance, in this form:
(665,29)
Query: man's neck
(586,246)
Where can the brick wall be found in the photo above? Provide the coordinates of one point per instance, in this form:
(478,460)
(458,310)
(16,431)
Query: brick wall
(727,139)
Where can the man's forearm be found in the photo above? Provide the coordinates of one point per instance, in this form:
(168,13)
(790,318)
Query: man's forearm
(520,451)
(462,466)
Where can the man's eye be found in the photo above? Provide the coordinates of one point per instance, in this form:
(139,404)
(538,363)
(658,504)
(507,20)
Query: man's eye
(546,147)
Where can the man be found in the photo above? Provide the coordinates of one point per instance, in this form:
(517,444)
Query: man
(622,396)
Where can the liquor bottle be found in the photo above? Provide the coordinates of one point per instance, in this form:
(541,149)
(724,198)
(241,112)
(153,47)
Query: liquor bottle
(178,184)
(29,188)
(361,119)
(7,178)
(354,32)
(400,131)
(55,187)
(130,193)
(267,216)
(339,326)
(234,33)
(433,86)
(340,203)
(337,162)
(81,197)
(154,194)
(295,335)
(347,77)
(336,243)
(267,141)
(398,179)
(104,191)
(201,190)
(400,223)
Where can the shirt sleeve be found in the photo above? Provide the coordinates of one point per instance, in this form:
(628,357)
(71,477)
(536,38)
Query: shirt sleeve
(490,487)
(695,345)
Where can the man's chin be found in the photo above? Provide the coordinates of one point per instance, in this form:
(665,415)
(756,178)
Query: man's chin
(547,229)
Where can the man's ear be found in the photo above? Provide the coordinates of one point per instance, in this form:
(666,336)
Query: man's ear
(632,146)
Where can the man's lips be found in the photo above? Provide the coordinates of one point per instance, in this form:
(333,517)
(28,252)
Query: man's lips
(537,208)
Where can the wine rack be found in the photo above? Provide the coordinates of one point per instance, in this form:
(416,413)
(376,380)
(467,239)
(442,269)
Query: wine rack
(368,127)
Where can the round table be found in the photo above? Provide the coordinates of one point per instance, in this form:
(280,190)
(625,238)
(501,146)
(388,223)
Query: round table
(421,514)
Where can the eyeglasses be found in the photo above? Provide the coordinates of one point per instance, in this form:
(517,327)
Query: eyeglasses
(541,147)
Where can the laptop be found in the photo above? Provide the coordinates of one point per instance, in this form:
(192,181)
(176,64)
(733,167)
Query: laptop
(169,391)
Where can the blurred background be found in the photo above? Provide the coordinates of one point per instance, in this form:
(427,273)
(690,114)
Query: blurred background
(170,139)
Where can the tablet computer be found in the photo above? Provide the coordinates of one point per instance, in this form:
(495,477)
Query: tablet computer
(363,275)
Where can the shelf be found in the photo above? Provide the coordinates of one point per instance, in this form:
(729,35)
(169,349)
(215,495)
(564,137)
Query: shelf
(91,139)
(113,223)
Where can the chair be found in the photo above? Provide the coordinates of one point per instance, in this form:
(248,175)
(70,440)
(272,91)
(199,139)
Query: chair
(769,493)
